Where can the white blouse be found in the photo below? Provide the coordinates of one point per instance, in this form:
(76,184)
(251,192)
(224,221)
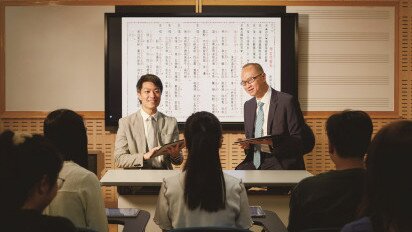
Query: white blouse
(172,212)
(79,199)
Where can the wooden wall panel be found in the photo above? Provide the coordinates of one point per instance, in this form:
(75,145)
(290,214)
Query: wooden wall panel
(405,58)
(316,162)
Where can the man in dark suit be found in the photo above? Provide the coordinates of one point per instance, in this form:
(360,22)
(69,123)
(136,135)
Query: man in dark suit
(271,112)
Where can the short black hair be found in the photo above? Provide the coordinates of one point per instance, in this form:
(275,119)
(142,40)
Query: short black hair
(149,78)
(24,161)
(349,132)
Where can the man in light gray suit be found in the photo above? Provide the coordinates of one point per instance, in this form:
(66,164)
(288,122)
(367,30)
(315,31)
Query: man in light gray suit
(142,133)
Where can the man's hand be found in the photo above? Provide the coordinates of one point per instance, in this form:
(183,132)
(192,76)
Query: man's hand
(243,145)
(149,154)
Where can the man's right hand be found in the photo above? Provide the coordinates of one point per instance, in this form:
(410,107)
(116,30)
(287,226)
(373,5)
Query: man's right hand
(149,154)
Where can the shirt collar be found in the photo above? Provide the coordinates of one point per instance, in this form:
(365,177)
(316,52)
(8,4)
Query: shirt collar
(145,115)
(266,98)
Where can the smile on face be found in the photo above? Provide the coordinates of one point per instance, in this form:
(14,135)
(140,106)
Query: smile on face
(149,96)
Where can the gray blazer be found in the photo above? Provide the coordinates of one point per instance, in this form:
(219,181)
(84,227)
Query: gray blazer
(130,145)
(284,119)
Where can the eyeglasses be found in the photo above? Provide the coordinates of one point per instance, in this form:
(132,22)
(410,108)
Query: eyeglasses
(60,182)
(250,80)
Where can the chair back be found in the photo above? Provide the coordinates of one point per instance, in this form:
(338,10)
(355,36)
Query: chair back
(132,224)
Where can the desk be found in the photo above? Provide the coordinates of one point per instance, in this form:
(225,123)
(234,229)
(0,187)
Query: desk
(256,178)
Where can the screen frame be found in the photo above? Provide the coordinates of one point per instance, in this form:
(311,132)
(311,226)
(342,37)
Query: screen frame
(113,59)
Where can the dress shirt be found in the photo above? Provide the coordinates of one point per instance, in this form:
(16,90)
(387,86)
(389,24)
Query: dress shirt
(145,116)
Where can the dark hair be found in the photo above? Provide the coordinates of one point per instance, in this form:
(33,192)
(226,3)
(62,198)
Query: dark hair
(349,132)
(24,161)
(149,78)
(257,66)
(66,130)
(204,182)
(387,199)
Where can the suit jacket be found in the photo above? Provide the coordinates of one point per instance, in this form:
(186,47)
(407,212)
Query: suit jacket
(130,145)
(284,119)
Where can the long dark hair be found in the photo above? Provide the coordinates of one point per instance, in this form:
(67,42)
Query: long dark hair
(66,130)
(204,182)
(387,200)
(24,161)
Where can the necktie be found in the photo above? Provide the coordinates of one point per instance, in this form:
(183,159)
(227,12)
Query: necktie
(258,133)
(151,133)
(152,140)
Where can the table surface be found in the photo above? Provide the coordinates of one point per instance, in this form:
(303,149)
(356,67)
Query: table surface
(122,177)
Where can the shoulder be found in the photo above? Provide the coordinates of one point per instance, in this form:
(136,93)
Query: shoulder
(167,118)
(250,101)
(313,181)
(129,119)
(173,181)
(233,183)
(59,224)
(169,121)
(282,96)
(73,173)
(361,225)
(38,222)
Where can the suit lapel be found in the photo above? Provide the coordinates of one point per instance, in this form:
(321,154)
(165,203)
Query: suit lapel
(251,116)
(272,110)
(138,132)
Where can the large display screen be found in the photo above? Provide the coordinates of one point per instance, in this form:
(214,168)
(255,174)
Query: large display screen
(198,59)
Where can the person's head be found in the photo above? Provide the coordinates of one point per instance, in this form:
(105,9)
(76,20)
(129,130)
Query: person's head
(66,130)
(29,167)
(253,80)
(204,182)
(149,91)
(387,198)
(349,134)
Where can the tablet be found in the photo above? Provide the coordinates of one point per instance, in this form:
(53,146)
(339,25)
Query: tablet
(256,211)
(164,148)
(255,139)
(121,212)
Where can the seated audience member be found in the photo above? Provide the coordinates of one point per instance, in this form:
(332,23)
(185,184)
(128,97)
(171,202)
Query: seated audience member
(331,199)
(80,198)
(387,202)
(29,167)
(202,195)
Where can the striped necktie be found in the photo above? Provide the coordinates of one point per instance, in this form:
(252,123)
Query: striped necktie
(258,133)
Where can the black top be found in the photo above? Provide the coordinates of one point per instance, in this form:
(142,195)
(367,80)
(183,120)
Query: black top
(327,200)
(34,221)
